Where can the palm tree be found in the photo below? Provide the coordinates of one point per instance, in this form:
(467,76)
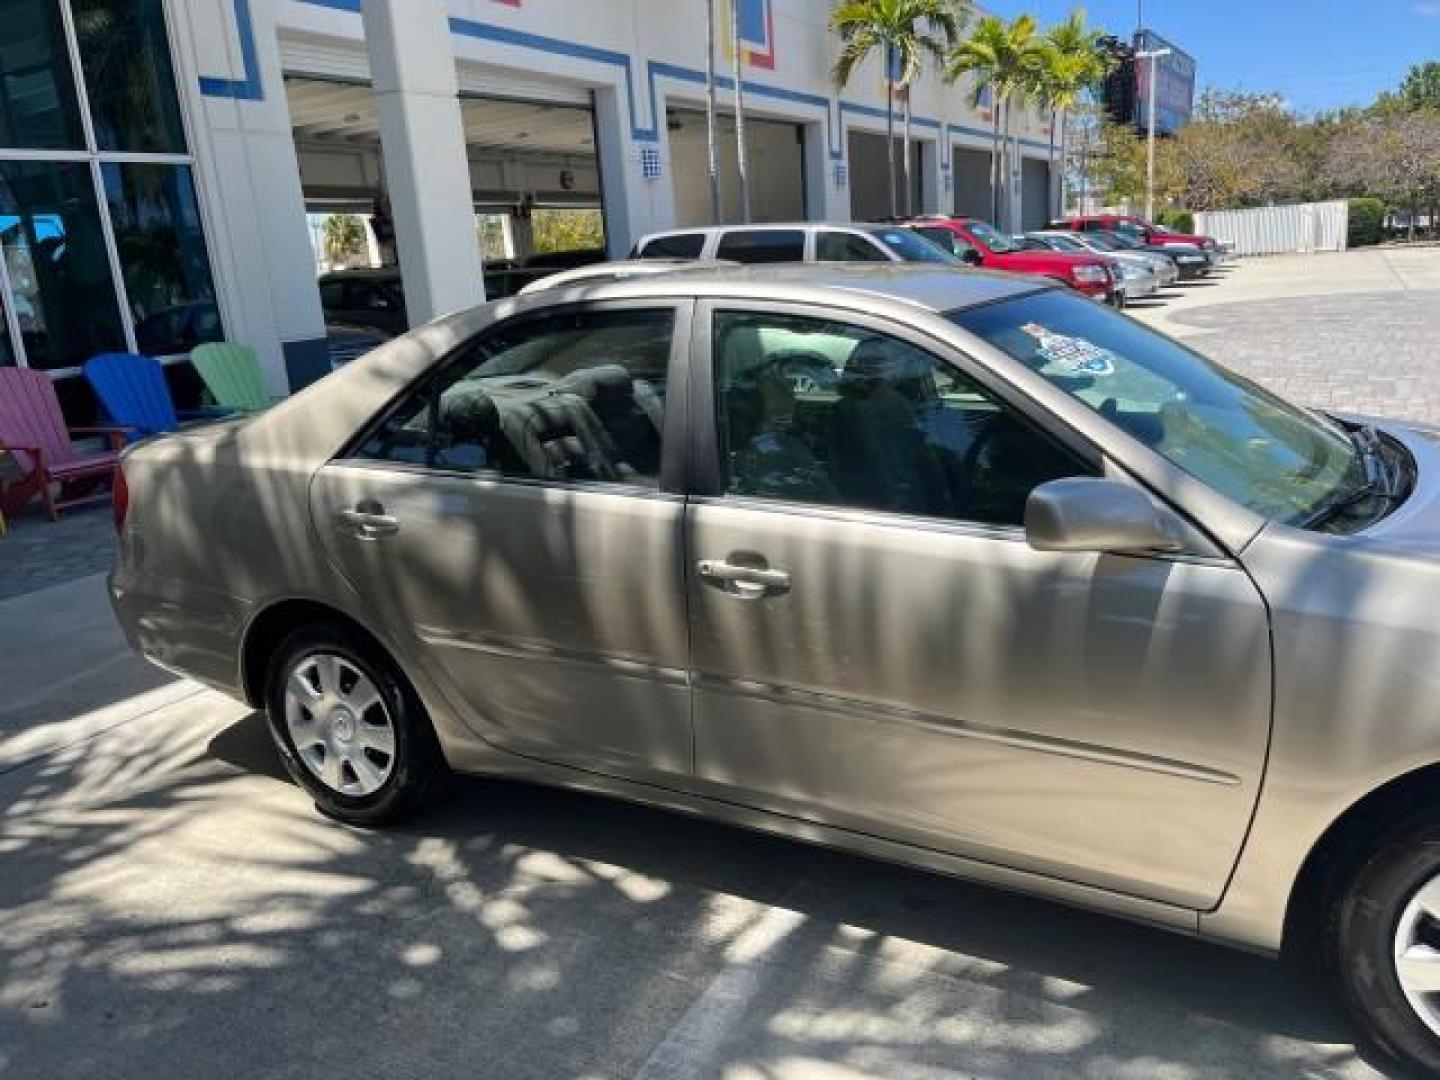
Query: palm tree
(905,32)
(1003,58)
(1071,63)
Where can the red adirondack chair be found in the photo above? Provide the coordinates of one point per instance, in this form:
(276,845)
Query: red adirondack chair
(32,429)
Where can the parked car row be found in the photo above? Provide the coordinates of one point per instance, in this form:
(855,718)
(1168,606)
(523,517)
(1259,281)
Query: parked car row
(1112,259)
(1125,260)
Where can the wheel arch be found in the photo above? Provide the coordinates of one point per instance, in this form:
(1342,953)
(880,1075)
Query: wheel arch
(1342,849)
(271,626)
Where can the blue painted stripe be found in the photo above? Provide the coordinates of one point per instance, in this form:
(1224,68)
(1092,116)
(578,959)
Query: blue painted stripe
(654,69)
(249,88)
(504,35)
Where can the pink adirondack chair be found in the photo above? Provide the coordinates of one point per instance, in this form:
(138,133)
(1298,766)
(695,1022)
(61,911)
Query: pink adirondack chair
(33,430)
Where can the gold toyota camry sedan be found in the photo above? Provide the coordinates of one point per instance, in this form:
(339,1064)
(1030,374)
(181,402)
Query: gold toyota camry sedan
(944,567)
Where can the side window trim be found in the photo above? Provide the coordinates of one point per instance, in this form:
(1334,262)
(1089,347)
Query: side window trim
(674,451)
(705,477)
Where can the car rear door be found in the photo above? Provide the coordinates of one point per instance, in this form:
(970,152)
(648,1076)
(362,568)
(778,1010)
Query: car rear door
(516,515)
(876,647)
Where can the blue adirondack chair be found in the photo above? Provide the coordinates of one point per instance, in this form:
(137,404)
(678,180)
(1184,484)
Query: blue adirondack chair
(134,393)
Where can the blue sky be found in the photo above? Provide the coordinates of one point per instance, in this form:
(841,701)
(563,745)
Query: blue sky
(1319,53)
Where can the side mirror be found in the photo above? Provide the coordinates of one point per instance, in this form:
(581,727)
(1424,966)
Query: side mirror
(1084,514)
(971,256)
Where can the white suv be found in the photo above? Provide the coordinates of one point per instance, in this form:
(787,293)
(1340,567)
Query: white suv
(806,241)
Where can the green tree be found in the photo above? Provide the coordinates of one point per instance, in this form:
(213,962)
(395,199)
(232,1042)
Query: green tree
(343,236)
(906,33)
(566,230)
(1395,156)
(1116,166)
(1421,88)
(1002,58)
(1071,65)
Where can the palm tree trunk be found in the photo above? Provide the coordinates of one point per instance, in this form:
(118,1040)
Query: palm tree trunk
(909,184)
(1064,156)
(995,159)
(1051,211)
(890,138)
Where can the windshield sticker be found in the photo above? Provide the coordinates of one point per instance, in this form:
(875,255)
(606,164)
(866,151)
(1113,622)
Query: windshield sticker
(1071,353)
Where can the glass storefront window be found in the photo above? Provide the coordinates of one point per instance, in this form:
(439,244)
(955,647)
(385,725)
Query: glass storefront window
(161,244)
(38,108)
(125,55)
(54,252)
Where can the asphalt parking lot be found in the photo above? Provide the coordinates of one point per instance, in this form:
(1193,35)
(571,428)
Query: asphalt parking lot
(170,905)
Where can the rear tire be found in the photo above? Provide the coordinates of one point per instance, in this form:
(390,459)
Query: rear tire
(1384,947)
(349,728)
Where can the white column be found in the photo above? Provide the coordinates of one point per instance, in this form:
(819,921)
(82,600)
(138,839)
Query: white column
(412,67)
(824,199)
(932,180)
(633,203)
(250,180)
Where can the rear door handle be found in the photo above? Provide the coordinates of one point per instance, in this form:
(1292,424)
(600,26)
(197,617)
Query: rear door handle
(368,524)
(746,582)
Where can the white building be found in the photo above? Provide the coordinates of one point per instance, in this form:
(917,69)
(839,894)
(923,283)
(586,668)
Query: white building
(158,157)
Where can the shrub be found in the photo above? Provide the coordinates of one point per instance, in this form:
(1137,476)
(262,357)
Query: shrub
(1180,221)
(1367,222)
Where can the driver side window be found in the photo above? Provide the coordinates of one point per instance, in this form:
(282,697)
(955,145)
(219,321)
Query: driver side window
(815,411)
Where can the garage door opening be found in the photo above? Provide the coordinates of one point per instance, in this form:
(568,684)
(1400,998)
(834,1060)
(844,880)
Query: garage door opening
(869,175)
(1034,193)
(534,179)
(972,183)
(775,154)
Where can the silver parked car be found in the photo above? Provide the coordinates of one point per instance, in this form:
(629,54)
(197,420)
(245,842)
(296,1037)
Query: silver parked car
(1164,267)
(957,570)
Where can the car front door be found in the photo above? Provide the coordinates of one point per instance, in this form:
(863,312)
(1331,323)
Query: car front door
(876,647)
(513,514)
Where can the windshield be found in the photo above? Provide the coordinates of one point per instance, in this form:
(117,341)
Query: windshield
(1262,452)
(992,238)
(913,248)
(1065,243)
(1104,242)
(1116,240)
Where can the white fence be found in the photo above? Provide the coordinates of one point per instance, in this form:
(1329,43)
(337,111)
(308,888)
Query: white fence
(1276,230)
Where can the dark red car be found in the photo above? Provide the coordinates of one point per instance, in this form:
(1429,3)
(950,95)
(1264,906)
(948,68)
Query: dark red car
(1142,230)
(980,244)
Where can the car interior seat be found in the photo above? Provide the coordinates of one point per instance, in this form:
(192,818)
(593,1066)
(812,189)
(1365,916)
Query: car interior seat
(882,456)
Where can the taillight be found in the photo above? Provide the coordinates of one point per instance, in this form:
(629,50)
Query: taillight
(121,496)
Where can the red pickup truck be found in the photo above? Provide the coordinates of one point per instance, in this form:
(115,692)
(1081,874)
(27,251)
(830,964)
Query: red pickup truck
(1142,230)
(980,244)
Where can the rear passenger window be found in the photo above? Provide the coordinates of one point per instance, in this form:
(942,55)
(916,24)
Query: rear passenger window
(762,246)
(574,396)
(683,246)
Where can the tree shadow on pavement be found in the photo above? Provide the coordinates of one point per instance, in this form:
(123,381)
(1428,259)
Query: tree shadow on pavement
(173,906)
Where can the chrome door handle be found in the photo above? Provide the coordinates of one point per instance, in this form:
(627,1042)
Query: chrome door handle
(368,525)
(746,582)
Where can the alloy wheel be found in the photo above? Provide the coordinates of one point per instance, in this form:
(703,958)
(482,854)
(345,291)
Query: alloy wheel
(339,724)
(1417,953)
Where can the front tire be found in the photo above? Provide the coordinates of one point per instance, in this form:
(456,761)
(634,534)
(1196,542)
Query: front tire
(349,728)
(1385,948)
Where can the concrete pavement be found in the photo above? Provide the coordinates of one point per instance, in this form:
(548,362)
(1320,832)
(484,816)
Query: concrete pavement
(170,905)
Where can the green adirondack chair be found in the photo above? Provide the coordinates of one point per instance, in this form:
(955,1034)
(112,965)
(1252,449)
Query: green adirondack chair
(231,373)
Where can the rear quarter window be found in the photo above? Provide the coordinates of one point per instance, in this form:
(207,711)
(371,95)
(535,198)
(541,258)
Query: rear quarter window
(679,246)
